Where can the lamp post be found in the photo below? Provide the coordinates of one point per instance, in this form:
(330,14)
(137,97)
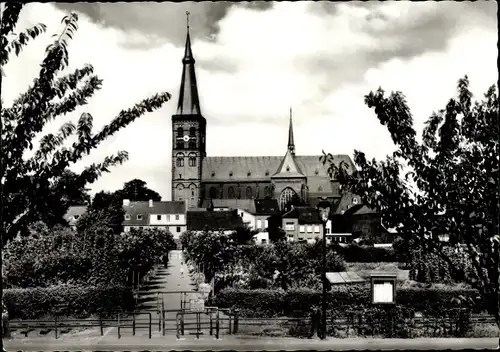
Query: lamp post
(324,208)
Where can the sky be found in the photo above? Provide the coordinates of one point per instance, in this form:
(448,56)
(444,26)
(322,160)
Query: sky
(256,60)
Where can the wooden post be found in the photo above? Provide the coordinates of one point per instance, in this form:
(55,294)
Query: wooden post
(163,315)
(55,322)
(236,318)
(133,324)
(217,325)
(100,324)
(150,325)
(118,319)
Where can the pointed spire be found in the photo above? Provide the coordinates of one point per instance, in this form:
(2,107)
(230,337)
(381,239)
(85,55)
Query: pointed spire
(189,102)
(291,144)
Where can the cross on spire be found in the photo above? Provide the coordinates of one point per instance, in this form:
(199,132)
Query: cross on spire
(187,18)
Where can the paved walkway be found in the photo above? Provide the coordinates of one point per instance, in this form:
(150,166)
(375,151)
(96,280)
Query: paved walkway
(239,344)
(175,288)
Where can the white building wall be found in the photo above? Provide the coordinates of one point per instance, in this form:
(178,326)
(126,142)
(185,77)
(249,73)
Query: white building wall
(167,219)
(247,218)
(262,238)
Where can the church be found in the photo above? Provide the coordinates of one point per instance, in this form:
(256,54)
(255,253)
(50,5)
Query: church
(197,178)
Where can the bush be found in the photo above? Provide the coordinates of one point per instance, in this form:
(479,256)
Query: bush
(367,254)
(79,301)
(299,302)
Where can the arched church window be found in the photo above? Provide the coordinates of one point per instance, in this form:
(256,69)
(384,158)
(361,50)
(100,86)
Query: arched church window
(192,131)
(267,173)
(320,189)
(180,160)
(230,193)
(192,161)
(180,131)
(286,196)
(213,192)
(287,168)
(249,192)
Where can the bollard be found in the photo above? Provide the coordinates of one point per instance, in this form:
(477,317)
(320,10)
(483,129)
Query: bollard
(230,316)
(100,324)
(55,322)
(236,318)
(133,324)
(217,326)
(150,325)
(210,324)
(118,319)
(163,316)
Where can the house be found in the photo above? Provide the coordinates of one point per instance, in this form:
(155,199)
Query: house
(165,215)
(254,213)
(73,214)
(223,220)
(302,224)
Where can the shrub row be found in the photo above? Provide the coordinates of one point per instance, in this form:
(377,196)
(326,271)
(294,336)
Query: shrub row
(367,254)
(67,300)
(298,303)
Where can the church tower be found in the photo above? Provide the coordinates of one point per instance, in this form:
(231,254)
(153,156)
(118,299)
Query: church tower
(188,135)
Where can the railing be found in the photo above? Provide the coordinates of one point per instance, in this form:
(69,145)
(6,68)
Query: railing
(220,320)
(65,326)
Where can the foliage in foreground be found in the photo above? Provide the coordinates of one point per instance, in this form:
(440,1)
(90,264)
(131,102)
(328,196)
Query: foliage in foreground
(282,265)
(67,300)
(450,187)
(298,302)
(62,256)
(31,190)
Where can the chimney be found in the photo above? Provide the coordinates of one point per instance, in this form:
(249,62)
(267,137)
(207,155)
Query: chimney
(150,203)
(126,202)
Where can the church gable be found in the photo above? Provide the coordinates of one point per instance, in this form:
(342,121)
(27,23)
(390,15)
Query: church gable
(288,168)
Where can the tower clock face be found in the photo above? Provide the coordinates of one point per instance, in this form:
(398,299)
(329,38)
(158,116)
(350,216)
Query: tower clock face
(185,138)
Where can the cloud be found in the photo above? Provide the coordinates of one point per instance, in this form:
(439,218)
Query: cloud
(164,21)
(252,64)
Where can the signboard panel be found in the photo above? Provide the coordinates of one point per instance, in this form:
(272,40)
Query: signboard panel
(197,305)
(383,292)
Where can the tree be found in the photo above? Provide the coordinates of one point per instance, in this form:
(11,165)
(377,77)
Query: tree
(27,192)
(450,185)
(72,193)
(136,190)
(104,215)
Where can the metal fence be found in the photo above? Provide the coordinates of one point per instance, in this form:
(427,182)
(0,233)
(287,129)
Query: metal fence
(217,322)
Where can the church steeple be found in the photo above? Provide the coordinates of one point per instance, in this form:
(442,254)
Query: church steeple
(291,144)
(189,102)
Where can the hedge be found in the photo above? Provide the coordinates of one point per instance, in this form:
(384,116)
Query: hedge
(298,303)
(367,254)
(77,301)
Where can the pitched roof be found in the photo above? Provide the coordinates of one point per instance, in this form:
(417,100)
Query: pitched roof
(305,215)
(244,204)
(76,210)
(266,206)
(214,220)
(261,168)
(142,208)
(353,210)
(344,277)
(364,210)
